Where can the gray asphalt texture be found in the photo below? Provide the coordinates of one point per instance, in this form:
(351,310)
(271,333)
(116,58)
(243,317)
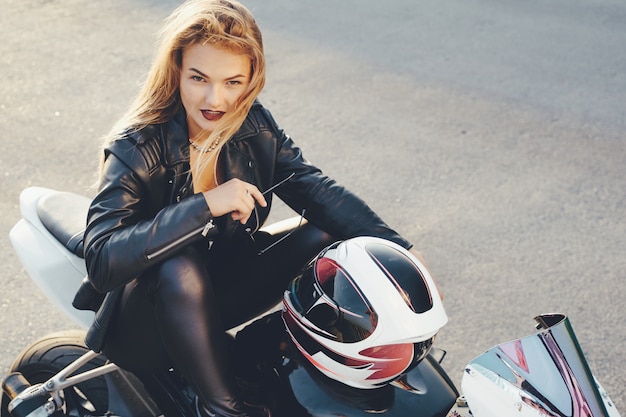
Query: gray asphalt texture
(491,134)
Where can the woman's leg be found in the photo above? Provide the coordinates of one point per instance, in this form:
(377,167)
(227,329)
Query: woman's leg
(185,323)
(256,282)
(172,313)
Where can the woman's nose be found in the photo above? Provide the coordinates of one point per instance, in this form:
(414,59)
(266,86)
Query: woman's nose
(213,95)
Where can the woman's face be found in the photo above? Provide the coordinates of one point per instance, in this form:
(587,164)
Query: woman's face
(211,82)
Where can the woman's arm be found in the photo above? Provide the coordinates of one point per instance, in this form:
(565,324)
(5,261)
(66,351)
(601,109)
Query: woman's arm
(125,236)
(328,205)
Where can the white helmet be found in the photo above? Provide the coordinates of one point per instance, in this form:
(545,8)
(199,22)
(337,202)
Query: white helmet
(363,311)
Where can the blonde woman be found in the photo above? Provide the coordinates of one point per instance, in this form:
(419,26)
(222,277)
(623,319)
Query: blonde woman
(186,181)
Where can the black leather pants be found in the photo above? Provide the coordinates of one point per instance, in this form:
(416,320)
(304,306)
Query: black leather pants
(176,314)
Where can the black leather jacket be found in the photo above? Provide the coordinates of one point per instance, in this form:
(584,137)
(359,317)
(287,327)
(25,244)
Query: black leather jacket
(146,210)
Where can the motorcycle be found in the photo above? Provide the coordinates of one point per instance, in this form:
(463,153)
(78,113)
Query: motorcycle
(544,374)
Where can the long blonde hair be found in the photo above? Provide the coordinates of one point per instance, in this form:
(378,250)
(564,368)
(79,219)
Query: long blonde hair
(225,24)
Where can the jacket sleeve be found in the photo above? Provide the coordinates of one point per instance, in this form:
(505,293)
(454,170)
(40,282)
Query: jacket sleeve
(328,205)
(125,236)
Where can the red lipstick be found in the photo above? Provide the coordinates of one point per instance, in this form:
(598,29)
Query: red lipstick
(211,115)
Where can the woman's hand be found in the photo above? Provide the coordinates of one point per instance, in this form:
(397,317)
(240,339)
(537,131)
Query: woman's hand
(236,197)
(419,257)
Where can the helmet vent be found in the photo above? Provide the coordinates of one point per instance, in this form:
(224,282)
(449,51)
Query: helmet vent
(404,275)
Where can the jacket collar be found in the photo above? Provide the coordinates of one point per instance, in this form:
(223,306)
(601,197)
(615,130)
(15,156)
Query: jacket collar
(176,139)
(248,128)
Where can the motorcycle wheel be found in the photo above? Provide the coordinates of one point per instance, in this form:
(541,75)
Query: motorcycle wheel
(50,354)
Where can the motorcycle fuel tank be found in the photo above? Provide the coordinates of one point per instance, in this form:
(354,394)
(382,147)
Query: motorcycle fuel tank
(296,388)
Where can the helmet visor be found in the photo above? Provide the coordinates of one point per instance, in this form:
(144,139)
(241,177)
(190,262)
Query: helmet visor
(326,296)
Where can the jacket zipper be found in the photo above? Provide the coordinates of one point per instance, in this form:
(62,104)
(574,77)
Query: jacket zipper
(204,230)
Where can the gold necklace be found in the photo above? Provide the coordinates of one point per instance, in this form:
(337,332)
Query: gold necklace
(203,150)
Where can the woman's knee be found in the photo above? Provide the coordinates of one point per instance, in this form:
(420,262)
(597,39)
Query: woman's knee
(182,278)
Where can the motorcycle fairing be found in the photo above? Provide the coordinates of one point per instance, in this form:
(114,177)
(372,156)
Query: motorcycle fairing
(44,256)
(544,374)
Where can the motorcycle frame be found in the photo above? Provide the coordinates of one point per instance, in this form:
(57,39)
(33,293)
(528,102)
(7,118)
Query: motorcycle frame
(65,379)
(125,393)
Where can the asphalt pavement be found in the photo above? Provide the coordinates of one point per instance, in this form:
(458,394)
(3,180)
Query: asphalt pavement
(490,134)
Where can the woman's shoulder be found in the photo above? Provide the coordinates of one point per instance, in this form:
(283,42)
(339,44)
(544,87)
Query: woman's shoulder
(151,144)
(261,114)
(134,138)
(259,120)
(154,132)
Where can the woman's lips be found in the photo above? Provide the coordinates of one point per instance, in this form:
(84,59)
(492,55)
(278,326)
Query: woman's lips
(211,115)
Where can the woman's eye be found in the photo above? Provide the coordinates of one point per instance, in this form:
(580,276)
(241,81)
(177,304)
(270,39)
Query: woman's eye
(234,82)
(197,78)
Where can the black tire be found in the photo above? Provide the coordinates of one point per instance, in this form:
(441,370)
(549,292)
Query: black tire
(47,356)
